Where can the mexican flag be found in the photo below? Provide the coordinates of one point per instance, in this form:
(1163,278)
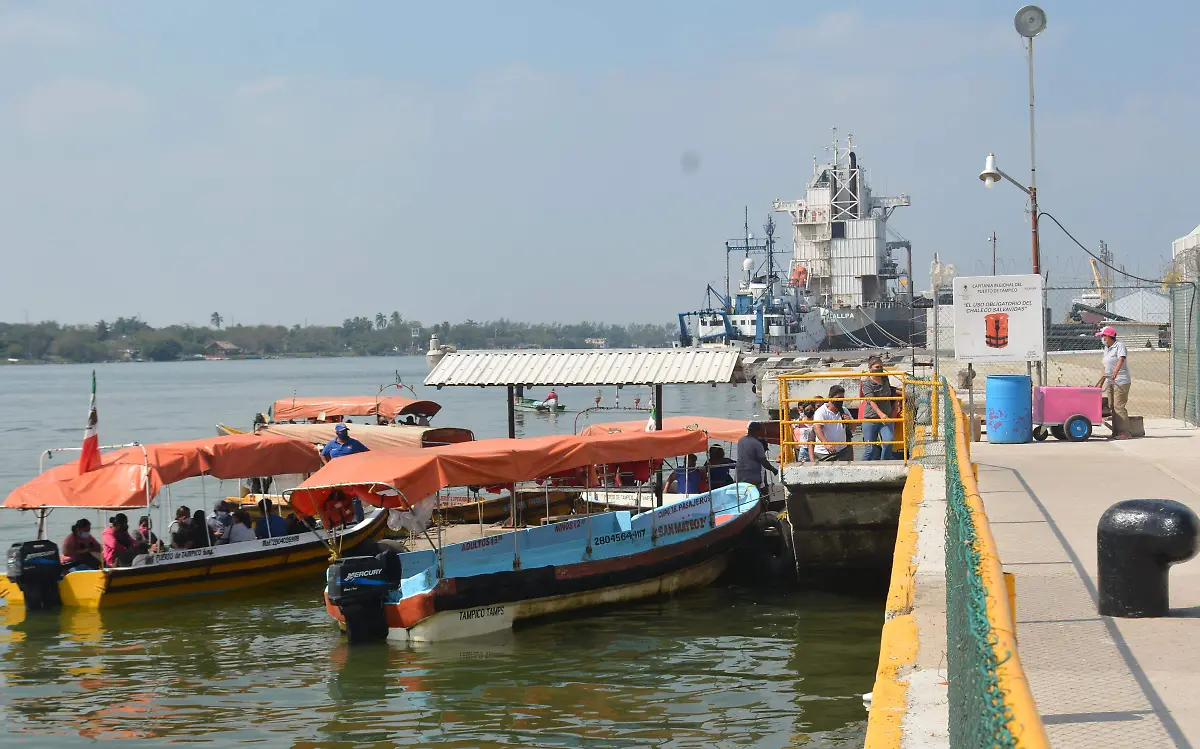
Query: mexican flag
(89,459)
(650,427)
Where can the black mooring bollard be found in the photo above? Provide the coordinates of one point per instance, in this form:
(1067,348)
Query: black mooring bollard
(1137,541)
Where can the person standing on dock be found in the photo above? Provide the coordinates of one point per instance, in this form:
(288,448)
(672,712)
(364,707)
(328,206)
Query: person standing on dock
(752,458)
(877,386)
(833,442)
(1116,381)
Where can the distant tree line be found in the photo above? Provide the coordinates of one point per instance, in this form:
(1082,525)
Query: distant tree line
(130,338)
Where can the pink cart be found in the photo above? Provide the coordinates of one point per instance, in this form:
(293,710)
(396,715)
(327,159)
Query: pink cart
(1069,413)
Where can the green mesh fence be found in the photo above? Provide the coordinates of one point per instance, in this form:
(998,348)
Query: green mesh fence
(979,713)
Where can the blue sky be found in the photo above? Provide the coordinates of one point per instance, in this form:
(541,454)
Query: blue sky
(292,161)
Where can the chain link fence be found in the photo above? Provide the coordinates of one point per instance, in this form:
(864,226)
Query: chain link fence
(1185,342)
(1157,324)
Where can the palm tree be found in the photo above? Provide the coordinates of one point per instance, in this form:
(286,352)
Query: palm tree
(216,319)
(380,321)
(396,319)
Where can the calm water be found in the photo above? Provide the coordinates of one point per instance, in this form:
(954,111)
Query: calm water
(726,666)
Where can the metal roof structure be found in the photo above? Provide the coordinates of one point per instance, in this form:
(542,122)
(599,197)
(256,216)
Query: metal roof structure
(675,366)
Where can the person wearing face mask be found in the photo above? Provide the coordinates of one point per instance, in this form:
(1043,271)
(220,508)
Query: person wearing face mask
(222,519)
(145,539)
(119,546)
(80,550)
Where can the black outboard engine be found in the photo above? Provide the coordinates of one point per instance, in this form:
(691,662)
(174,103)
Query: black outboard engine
(34,567)
(359,586)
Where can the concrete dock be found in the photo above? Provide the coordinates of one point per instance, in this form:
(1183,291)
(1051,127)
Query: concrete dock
(1098,681)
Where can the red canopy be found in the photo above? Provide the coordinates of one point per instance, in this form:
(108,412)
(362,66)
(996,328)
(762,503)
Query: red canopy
(726,430)
(420,473)
(130,477)
(287,409)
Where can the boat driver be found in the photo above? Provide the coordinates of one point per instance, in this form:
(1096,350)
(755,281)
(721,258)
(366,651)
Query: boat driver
(342,444)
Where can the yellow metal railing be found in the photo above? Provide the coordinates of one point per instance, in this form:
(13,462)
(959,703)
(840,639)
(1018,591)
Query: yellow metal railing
(789,440)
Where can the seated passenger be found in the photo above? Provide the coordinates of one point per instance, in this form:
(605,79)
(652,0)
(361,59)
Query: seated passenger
(270,525)
(80,550)
(199,535)
(219,523)
(718,468)
(181,539)
(686,479)
(145,539)
(240,531)
(119,547)
(294,524)
(182,516)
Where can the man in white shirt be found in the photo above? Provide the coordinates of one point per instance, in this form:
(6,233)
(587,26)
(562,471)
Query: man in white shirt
(830,429)
(1116,381)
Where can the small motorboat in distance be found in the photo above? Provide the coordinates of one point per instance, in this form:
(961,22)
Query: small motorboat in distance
(130,479)
(488,583)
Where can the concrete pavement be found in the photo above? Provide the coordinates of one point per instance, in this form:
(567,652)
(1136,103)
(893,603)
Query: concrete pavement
(1098,681)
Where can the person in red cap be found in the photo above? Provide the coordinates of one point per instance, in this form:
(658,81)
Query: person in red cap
(1116,380)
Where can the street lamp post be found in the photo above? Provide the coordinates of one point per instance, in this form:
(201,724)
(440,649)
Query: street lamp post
(1029,22)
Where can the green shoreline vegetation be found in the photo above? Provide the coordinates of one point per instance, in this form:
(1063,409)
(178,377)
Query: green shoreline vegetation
(131,339)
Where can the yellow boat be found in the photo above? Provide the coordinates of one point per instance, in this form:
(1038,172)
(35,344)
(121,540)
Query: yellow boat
(130,479)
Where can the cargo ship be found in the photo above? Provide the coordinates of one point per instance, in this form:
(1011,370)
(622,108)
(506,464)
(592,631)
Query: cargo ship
(842,257)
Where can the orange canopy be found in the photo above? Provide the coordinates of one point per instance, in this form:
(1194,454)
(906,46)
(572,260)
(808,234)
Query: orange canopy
(726,430)
(130,477)
(419,473)
(311,408)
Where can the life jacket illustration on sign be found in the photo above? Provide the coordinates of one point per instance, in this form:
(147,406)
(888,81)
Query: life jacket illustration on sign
(996,330)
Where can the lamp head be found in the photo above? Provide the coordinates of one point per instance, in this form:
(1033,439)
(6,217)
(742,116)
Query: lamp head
(1030,21)
(990,174)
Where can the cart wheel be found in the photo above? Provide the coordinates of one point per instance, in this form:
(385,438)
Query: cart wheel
(1040,434)
(1058,432)
(1078,428)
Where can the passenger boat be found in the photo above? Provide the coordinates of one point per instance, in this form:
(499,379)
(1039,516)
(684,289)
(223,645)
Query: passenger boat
(337,408)
(488,583)
(132,478)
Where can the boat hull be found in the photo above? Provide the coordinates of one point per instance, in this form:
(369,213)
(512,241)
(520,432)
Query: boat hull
(874,327)
(623,560)
(473,622)
(201,571)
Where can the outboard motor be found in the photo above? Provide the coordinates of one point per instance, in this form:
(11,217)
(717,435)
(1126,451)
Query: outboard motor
(35,568)
(359,586)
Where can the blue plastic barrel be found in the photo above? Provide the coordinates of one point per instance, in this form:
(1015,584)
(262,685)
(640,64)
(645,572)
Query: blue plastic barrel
(1009,409)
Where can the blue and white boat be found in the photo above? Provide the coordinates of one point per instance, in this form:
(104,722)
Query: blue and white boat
(492,582)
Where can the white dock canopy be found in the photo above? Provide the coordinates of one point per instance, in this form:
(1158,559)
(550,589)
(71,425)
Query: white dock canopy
(674,366)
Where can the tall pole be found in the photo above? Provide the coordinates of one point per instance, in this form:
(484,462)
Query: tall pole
(1033,207)
(993,253)
(1037,258)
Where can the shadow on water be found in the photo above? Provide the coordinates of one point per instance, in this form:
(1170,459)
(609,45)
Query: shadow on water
(725,666)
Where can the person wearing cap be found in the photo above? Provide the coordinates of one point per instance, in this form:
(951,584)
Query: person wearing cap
(342,444)
(752,457)
(1116,380)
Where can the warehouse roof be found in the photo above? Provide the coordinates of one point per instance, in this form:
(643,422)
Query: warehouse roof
(675,366)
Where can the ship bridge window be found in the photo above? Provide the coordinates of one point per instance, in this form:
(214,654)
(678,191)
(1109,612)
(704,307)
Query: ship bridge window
(838,230)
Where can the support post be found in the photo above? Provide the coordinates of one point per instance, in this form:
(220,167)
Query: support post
(512,414)
(971,402)
(658,425)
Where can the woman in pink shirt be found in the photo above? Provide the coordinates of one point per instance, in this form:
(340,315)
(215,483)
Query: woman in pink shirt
(119,546)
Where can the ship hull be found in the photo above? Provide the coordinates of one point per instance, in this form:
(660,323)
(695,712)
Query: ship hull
(874,327)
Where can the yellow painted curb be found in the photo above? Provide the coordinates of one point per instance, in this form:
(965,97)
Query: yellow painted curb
(899,641)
